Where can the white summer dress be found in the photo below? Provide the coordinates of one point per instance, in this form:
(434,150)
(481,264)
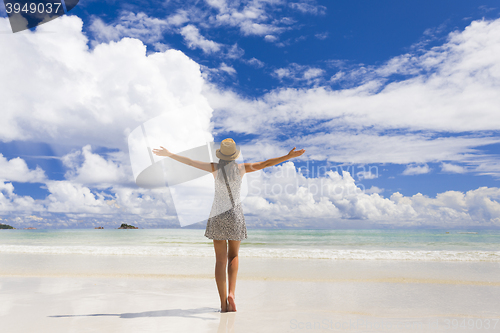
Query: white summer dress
(227,222)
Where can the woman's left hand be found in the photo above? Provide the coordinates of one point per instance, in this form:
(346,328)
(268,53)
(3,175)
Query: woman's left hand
(161,152)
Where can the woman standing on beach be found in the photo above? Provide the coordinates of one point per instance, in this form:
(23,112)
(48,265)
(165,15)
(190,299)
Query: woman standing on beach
(226,222)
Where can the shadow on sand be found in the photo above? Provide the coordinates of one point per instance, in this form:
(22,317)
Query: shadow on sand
(226,323)
(189,313)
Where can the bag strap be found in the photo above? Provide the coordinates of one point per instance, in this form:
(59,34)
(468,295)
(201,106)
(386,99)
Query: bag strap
(228,187)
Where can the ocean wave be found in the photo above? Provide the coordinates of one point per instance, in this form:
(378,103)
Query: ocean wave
(280,253)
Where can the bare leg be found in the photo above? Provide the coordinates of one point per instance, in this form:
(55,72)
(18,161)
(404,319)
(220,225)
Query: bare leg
(220,248)
(232,272)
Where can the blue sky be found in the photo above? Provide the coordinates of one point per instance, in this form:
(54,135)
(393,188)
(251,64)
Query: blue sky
(395,102)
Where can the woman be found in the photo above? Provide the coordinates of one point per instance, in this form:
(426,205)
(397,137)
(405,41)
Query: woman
(226,222)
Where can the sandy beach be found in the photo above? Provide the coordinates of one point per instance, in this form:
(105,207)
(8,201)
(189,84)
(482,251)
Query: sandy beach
(79,293)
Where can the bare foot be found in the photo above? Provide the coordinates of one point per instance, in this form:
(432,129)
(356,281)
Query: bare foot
(232,304)
(224,308)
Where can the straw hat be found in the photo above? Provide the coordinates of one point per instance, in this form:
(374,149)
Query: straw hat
(228,150)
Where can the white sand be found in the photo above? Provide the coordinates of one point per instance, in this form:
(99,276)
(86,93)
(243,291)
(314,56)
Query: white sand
(58,293)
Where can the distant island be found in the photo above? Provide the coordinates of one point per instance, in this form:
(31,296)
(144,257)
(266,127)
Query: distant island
(126,226)
(5,226)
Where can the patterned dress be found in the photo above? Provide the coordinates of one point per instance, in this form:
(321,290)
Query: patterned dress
(227,222)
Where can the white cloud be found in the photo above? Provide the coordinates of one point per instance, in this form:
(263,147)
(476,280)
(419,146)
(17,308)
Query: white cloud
(374,189)
(70,204)
(283,72)
(416,170)
(451,88)
(488,166)
(366,175)
(256,63)
(134,25)
(179,18)
(270,38)
(321,36)
(228,69)
(194,40)
(151,30)
(459,96)
(452,168)
(312,73)
(16,170)
(103,32)
(298,73)
(58,90)
(234,52)
(117,87)
(11,202)
(282,194)
(122,202)
(150,204)
(69,197)
(309,8)
(252,17)
(279,195)
(160,47)
(86,167)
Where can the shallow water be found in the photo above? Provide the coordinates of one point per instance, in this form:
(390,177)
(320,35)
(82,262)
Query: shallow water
(414,245)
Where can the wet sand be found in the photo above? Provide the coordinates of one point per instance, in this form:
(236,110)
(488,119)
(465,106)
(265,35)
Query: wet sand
(70,293)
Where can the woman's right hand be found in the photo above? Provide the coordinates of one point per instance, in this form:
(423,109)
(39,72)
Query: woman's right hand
(296,153)
(161,152)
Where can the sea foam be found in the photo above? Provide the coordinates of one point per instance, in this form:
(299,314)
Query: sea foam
(285,253)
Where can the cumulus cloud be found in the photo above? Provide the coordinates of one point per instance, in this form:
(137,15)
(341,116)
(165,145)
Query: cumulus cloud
(119,202)
(16,170)
(279,196)
(283,194)
(11,202)
(70,204)
(58,90)
(86,167)
(69,197)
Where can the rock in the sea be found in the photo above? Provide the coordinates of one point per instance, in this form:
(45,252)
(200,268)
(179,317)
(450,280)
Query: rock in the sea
(126,226)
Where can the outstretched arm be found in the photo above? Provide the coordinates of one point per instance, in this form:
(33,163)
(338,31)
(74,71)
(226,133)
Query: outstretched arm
(210,167)
(250,167)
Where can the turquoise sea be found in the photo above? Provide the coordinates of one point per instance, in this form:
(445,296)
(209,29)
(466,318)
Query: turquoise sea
(410,245)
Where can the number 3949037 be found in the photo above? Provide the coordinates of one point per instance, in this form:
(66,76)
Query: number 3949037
(32,8)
